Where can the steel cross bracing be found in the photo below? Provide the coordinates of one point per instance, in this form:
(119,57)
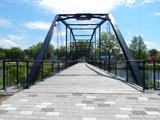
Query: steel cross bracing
(63,18)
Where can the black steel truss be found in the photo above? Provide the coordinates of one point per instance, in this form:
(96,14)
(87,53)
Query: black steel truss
(85,16)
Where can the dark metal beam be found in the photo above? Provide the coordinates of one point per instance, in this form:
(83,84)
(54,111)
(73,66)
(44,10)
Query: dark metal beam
(82,42)
(91,40)
(83,39)
(82,16)
(82,28)
(74,38)
(104,20)
(66,41)
(37,63)
(133,65)
(95,44)
(100,14)
(64,22)
(82,24)
(92,37)
(82,35)
(99,43)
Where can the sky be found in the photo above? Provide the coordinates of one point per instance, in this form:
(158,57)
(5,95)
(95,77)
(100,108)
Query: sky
(24,23)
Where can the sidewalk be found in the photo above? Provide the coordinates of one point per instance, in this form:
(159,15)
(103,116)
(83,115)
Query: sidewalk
(79,93)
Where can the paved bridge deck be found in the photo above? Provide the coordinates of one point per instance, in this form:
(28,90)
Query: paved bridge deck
(80,93)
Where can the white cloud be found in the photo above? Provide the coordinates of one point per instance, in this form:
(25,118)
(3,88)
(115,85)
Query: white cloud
(38,25)
(90,6)
(15,37)
(78,6)
(10,41)
(129,33)
(6,43)
(151,45)
(157,14)
(4,23)
(148,1)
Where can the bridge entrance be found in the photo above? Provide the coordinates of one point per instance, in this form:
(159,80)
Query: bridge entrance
(87,37)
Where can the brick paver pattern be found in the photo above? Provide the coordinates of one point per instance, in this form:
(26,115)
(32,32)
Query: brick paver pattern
(79,93)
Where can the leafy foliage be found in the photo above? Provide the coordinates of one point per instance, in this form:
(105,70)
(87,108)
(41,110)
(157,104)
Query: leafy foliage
(109,45)
(138,48)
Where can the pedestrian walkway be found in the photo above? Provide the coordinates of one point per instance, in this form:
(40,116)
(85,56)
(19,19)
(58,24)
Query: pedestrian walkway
(81,92)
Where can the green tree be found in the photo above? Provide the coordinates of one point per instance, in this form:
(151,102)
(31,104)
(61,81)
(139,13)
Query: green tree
(158,55)
(153,54)
(138,48)
(60,52)
(109,45)
(32,51)
(2,54)
(82,50)
(14,53)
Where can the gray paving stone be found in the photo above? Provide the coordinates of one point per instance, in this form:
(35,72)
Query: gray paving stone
(138,112)
(3,111)
(153,98)
(87,101)
(132,98)
(99,99)
(32,95)
(104,105)
(63,96)
(151,109)
(78,93)
(47,109)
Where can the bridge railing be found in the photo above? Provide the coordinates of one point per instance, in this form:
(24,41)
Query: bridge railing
(149,69)
(15,72)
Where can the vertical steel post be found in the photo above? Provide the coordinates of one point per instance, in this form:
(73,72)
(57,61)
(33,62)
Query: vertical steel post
(115,68)
(127,78)
(52,67)
(144,82)
(70,41)
(4,72)
(27,81)
(109,55)
(66,41)
(42,70)
(95,45)
(154,75)
(99,46)
(58,66)
(17,76)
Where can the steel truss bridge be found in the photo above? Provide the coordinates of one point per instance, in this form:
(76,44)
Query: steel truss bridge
(88,28)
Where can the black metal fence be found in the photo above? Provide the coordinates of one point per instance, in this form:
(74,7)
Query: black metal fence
(149,69)
(1,75)
(15,73)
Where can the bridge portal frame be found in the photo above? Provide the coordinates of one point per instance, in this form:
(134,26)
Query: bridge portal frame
(85,16)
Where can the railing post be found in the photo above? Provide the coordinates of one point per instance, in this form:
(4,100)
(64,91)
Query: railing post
(58,66)
(4,72)
(104,65)
(42,69)
(154,75)
(52,67)
(27,86)
(127,71)
(66,63)
(144,82)
(17,76)
(115,67)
